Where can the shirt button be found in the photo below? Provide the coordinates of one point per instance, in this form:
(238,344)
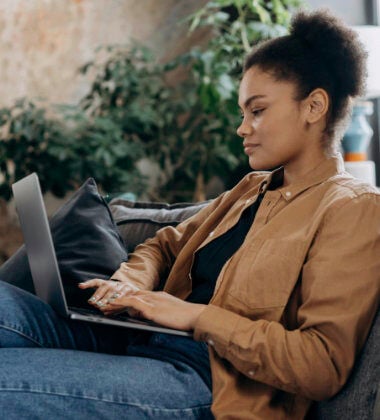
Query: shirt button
(288,194)
(211,234)
(251,373)
(210,342)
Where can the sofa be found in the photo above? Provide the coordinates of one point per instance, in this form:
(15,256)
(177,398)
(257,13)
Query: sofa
(93,236)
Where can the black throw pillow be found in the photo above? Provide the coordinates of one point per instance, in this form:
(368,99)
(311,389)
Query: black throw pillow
(87,243)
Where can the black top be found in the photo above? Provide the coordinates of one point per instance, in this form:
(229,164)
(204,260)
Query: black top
(209,260)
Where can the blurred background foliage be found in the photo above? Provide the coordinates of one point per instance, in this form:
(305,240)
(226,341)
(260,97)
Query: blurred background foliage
(134,111)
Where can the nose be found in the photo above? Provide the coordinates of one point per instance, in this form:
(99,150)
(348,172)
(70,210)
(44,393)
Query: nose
(244,129)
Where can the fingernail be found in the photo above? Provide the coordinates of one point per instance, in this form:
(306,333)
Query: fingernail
(92,299)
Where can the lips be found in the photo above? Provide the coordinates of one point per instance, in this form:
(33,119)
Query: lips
(250,148)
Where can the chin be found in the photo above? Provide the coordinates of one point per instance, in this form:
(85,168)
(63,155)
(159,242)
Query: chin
(262,165)
(257,165)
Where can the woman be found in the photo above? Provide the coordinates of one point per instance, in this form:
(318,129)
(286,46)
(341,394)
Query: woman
(279,276)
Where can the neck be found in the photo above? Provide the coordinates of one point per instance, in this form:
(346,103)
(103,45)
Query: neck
(297,170)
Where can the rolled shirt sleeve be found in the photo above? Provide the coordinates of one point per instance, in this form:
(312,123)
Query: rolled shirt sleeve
(156,256)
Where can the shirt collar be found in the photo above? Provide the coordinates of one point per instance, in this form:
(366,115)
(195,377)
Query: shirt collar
(329,167)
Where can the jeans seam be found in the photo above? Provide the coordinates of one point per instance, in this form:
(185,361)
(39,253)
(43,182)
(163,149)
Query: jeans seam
(22,334)
(142,406)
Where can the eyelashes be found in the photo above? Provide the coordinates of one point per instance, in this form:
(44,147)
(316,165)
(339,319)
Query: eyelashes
(254,112)
(257,112)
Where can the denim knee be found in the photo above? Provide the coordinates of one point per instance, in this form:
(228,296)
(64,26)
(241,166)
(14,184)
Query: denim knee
(48,383)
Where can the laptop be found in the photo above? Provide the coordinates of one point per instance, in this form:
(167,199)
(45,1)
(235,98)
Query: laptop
(44,265)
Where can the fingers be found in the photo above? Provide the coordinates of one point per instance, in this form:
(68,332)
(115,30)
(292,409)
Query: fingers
(91,283)
(137,304)
(108,294)
(115,292)
(102,287)
(125,302)
(115,302)
(161,308)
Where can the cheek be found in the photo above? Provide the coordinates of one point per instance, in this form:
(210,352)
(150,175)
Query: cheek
(266,129)
(262,125)
(282,126)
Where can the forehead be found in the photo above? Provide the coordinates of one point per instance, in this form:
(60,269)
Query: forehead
(259,85)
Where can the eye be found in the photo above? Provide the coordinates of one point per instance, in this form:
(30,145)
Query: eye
(257,112)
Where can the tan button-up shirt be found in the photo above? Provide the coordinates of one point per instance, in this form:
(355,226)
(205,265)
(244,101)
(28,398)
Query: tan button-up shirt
(293,306)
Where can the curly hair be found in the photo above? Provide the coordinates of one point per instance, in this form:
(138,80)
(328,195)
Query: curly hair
(319,52)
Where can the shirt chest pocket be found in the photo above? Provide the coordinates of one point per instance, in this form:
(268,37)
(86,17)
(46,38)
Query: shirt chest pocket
(265,278)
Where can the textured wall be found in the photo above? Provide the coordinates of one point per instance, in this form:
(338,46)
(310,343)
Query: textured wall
(44,42)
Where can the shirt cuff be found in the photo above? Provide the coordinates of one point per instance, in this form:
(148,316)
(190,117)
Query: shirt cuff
(215,326)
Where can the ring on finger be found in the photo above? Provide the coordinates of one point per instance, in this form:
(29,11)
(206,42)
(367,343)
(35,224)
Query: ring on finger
(115,296)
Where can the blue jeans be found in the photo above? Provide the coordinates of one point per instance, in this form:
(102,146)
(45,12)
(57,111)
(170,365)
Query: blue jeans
(53,368)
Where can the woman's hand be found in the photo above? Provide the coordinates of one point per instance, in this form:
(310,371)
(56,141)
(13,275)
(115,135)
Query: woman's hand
(160,307)
(108,291)
(112,297)
(163,308)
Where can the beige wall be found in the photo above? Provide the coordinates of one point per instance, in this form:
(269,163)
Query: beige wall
(44,42)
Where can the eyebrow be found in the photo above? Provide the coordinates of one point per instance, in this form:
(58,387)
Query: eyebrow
(252,98)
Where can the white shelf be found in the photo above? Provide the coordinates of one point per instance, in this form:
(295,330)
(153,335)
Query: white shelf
(364,170)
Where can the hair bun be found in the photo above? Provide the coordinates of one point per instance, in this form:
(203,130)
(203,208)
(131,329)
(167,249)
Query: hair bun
(336,45)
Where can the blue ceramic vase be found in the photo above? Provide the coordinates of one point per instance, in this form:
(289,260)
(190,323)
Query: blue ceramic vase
(359,133)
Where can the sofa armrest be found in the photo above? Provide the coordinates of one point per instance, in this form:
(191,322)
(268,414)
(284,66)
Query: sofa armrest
(359,398)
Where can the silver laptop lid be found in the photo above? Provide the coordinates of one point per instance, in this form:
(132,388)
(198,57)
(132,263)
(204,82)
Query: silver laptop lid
(39,243)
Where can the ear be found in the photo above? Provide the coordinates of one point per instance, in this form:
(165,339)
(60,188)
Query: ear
(317,105)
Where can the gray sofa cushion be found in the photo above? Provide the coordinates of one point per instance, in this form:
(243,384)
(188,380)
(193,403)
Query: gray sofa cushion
(376,411)
(138,221)
(357,399)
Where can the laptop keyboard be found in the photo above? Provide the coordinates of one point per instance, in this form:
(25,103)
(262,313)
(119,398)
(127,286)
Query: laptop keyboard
(119,317)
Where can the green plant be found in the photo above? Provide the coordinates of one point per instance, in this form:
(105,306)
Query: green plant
(134,110)
(64,151)
(30,141)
